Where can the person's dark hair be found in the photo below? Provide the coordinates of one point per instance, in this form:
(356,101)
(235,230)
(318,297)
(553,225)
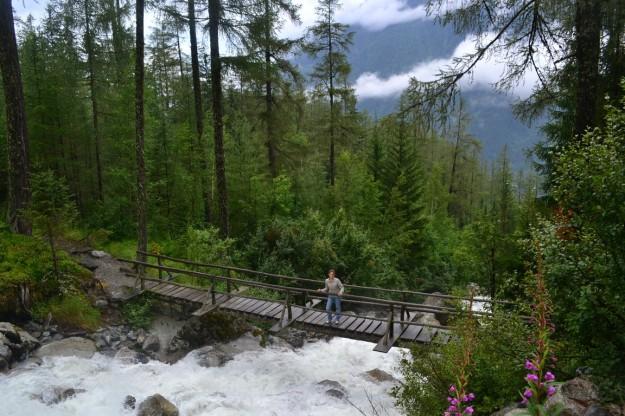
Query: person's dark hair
(332,270)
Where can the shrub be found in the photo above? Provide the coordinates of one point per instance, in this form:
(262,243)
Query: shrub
(138,312)
(496,370)
(71,311)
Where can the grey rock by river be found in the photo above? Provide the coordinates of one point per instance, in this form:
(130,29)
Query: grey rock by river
(73,346)
(157,405)
(15,345)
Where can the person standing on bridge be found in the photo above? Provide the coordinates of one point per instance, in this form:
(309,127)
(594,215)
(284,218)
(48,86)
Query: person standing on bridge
(334,288)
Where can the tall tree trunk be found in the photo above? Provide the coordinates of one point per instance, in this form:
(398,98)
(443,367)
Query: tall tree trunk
(271,141)
(118,43)
(331,94)
(94,104)
(17,136)
(214,12)
(587,51)
(142,226)
(199,115)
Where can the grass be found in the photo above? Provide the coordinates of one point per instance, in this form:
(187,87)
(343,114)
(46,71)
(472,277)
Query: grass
(70,311)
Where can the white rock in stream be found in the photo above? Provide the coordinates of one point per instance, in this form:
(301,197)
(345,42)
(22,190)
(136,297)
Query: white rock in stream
(262,382)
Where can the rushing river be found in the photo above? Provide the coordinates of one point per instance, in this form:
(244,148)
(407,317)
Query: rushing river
(271,381)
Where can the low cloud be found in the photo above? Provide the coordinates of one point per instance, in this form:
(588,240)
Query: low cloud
(372,15)
(485,74)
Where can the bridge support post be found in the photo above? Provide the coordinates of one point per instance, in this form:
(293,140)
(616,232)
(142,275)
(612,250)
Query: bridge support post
(391,323)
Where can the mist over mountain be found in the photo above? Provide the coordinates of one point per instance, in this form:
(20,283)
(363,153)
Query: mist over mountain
(398,48)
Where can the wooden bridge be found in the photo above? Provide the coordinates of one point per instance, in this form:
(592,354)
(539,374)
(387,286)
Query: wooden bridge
(295,301)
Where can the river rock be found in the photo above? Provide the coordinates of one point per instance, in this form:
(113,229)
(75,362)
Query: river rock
(596,410)
(151,343)
(130,402)
(575,396)
(333,388)
(73,346)
(581,390)
(295,337)
(157,405)
(15,344)
(211,328)
(128,356)
(338,394)
(10,332)
(57,394)
(212,356)
(379,375)
(332,384)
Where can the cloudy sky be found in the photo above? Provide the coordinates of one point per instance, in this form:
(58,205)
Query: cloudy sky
(372,15)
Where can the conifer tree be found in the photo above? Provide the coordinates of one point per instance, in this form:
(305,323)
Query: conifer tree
(331,40)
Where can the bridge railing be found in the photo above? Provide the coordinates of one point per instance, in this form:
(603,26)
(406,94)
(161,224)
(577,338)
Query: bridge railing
(404,307)
(403,295)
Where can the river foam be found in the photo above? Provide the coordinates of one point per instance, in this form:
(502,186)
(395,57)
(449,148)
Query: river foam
(273,382)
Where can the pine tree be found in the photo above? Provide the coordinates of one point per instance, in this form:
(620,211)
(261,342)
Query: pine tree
(402,181)
(331,40)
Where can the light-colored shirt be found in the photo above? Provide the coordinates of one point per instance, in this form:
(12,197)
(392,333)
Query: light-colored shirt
(333,287)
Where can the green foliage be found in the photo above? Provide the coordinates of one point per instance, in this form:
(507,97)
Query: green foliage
(138,312)
(311,245)
(70,311)
(205,246)
(584,254)
(496,374)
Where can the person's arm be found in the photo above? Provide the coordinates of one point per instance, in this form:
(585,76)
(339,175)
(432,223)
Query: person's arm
(325,289)
(341,288)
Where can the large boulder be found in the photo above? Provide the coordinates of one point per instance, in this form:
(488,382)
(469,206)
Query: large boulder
(15,344)
(157,405)
(581,390)
(295,337)
(575,396)
(212,356)
(68,347)
(379,376)
(211,328)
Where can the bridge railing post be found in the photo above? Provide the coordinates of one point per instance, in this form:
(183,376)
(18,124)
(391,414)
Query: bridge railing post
(160,264)
(403,307)
(228,283)
(213,291)
(288,305)
(391,321)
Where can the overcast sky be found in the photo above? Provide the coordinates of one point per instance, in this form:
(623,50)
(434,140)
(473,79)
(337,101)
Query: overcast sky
(372,15)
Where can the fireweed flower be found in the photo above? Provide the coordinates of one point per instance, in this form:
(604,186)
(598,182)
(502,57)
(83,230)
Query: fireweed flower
(537,390)
(530,366)
(459,400)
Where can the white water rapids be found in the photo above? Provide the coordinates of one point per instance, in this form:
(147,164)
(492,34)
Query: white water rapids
(269,382)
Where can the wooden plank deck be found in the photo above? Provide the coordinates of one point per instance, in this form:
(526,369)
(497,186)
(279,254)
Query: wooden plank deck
(350,326)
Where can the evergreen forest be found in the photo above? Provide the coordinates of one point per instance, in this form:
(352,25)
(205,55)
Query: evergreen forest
(200,137)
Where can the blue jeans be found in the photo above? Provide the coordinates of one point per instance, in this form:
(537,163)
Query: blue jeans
(336,300)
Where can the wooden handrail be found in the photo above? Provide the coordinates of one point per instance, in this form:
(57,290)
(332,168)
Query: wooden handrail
(312,293)
(302,279)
